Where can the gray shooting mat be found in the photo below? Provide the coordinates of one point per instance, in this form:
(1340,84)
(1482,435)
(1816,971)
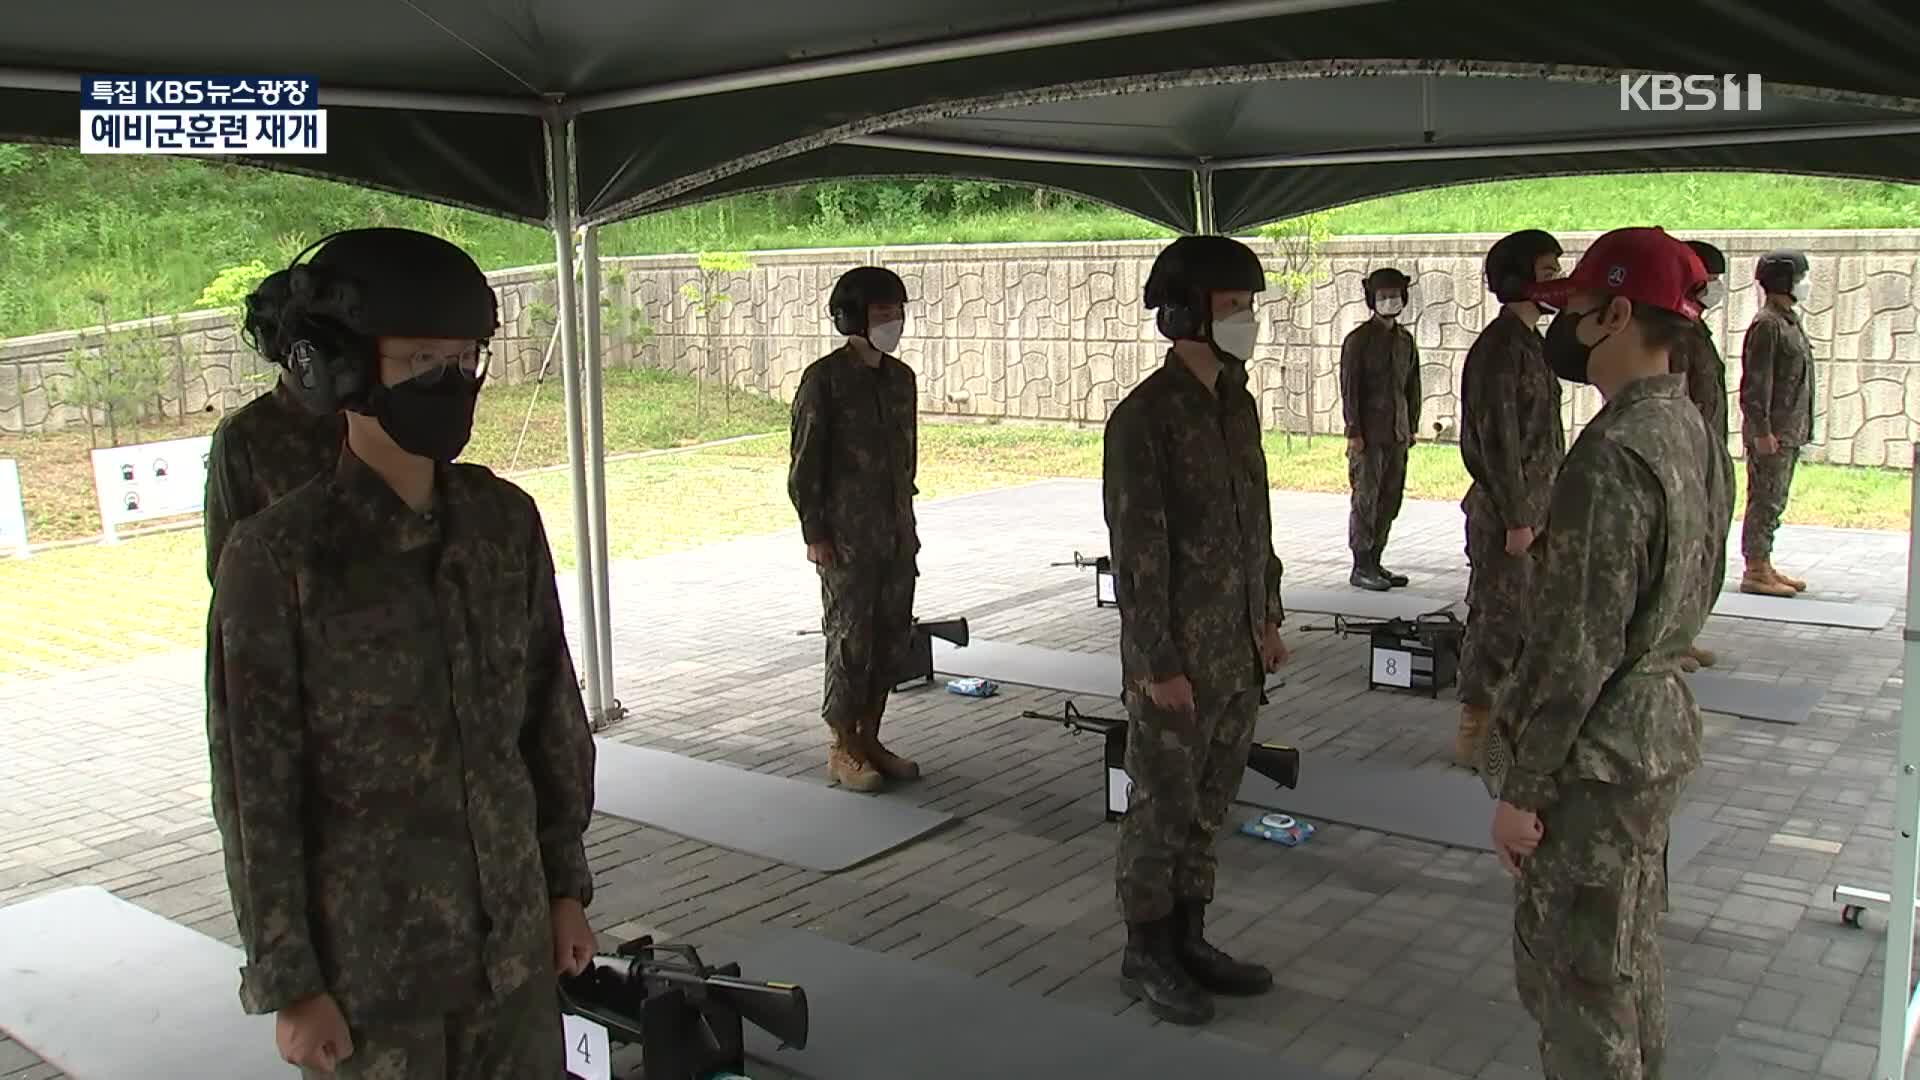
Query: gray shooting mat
(1775,703)
(106,990)
(1085,673)
(788,821)
(1739,605)
(1441,806)
(873,1016)
(1361,604)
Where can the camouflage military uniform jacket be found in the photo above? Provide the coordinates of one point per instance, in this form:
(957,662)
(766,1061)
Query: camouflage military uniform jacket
(1511,437)
(1191,524)
(1776,378)
(260,452)
(855,453)
(1380,384)
(1699,360)
(1624,584)
(402,770)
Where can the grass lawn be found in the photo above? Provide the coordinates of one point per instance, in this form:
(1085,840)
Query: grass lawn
(75,607)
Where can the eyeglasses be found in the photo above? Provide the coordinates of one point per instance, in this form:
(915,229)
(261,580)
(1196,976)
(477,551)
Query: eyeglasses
(429,366)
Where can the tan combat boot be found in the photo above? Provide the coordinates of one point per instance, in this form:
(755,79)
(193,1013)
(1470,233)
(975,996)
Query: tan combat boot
(1793,583)
(1702,657)
(849,766)
(1473,732)
(891,765)
(1760,581)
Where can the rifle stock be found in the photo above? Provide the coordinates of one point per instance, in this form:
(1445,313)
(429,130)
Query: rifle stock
(780,1009)
(951,630)
(1280,764)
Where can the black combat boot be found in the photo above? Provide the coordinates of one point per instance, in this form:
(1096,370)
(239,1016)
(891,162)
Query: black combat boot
(1212,969)
(1150,972)
(1398,581)
(1366,573)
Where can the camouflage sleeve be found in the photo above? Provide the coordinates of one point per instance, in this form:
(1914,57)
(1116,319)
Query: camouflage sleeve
(1702,360)
(256,743)
(556,742)
(1416,390)
(1498,402)
(226,496)
(1351,363)
(1133,476)
(807,471)
(1586,588)
(913,435)
(1757,355)
(1276,607)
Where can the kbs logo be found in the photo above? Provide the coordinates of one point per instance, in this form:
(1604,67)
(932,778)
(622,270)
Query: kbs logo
(1692,93)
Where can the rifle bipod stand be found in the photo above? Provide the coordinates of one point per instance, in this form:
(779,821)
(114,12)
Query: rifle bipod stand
(1280,764)
(1105,593)
(917,667)
(688,1018)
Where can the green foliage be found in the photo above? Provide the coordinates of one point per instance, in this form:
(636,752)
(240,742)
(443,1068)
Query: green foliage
(706,294)
(229,288)
(1298,262)
(121,376)
(183,221)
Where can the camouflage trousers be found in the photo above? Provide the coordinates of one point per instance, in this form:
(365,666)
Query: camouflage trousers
(1586,931)
(506,1038)
(1185,771)
(1768,480)
(867,616)
(1377,476)
(1498,588)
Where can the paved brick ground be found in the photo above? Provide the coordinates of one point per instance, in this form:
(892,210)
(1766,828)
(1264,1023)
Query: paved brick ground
(1392,955)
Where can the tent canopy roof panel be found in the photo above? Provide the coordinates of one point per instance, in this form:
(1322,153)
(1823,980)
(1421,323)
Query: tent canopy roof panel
(672,103)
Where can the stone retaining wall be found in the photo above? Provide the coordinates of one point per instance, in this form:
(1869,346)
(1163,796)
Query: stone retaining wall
(1055,331)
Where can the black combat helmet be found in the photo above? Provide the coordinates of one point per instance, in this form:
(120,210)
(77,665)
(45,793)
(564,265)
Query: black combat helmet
(1190,268)
(1711,257)
(1385,279)
(1509,266)
(856,291)
(1779,270)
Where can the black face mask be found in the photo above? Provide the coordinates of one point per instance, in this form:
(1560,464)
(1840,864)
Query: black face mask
(430,416)
(1566,355)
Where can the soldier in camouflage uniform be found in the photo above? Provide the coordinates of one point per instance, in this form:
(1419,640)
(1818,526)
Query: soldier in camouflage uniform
(1597,732)
(1511,440)
(1776,401)
(1697,358)
(261,451)
(855,454)
(402,772)
(1380,394)
(1198,583)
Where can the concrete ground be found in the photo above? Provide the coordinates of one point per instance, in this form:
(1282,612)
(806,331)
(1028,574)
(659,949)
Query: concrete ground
(1392,955)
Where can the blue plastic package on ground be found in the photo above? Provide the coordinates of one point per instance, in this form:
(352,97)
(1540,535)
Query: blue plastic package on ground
(1279,828)
(974,687)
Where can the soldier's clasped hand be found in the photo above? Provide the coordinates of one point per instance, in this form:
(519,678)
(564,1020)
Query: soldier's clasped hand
(1519,540)
(312,1034)
(1516,833)
(1173,695)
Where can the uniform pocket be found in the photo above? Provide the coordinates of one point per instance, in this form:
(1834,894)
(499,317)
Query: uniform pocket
(1583,927)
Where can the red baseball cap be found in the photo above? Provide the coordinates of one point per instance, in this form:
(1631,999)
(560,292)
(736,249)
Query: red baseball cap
(1644,265)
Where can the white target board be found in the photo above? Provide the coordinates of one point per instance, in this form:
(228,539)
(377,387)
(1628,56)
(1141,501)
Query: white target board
(13,509)
(149,481)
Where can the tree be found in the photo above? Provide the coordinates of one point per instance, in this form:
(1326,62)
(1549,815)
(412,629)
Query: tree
(707,296)
(1296,265)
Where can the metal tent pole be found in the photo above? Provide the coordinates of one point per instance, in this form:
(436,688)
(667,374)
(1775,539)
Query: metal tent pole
(955,148)
(1575,146)
(594,390)
(560,196)
(1898,1013)
(1203,201)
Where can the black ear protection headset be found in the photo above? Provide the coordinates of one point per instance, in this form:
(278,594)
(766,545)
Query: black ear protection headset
(332,363)
(1385,279)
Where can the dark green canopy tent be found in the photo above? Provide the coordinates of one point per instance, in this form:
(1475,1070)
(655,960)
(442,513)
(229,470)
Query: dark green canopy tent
(1202,116)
